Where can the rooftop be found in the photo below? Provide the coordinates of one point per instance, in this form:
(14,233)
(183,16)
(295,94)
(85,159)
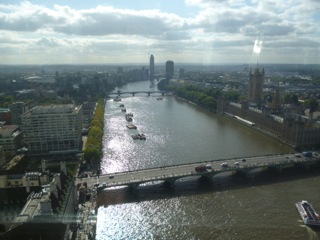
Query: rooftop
(53,109)
(8,130)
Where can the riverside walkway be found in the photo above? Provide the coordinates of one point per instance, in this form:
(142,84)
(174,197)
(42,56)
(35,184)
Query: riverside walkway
(170,174)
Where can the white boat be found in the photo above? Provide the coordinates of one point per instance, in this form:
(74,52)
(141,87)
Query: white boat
(131,126)
(309,216)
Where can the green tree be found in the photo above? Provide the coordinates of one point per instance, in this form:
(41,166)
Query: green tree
(312,104)
(93,149)
(290,98)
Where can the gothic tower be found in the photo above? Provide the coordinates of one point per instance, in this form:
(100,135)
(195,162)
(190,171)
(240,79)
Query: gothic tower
(276,100)
(256,78)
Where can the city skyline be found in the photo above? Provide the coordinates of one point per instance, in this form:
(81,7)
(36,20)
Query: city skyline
(187,31)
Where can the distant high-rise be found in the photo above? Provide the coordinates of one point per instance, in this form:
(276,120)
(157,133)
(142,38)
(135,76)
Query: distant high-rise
(181,73)
(256,78)
(169,69)
(151,67)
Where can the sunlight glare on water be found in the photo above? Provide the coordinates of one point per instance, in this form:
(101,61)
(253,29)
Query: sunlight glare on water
(228,207)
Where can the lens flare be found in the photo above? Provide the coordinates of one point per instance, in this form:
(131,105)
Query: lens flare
(257,46)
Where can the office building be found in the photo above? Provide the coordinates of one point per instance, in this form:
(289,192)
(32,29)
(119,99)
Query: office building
(17,109)
(53,129)
(181,73)
(151,67)
(169,69)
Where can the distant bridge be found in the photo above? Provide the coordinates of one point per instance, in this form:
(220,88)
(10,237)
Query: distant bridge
(170,174)
(133,93)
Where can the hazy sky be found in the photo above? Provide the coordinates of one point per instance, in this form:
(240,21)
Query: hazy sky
(128,31)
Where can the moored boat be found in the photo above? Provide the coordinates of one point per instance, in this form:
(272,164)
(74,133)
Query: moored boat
(131,126)
(129,119)
(139,136)
(134,137)
(309,216)
(142,137)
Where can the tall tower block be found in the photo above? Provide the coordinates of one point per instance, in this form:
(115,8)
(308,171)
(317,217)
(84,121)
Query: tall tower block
(151,67)
(256,78)
(169,69)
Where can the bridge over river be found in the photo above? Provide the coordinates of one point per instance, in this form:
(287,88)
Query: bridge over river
(170,174)
(133,93)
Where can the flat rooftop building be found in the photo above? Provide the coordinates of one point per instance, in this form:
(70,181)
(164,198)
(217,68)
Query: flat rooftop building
(53,129)
(10,137)
(47,212)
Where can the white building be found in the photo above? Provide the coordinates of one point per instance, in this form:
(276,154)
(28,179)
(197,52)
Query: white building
(53,129)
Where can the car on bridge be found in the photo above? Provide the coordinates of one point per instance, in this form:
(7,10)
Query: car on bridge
(224,165)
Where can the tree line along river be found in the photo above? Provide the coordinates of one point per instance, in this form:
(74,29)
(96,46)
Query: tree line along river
(228,207)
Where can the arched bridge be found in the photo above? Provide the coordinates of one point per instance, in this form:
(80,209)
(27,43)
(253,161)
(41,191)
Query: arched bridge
(170,174)
(133,93)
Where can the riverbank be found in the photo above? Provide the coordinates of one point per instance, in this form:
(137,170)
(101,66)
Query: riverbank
(257,129)
(229,116)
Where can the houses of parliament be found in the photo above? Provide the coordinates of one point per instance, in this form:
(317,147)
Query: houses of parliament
(293,129)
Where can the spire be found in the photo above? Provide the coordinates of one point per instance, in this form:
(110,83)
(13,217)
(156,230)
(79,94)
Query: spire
(276,100)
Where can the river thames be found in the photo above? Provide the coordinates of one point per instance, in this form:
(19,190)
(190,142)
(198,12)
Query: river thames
(228,207)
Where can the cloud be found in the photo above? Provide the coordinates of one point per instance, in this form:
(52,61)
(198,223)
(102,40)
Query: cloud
(48,42)
(28,17)
(294,44)
(99,21)
(107,21)
(226,27)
